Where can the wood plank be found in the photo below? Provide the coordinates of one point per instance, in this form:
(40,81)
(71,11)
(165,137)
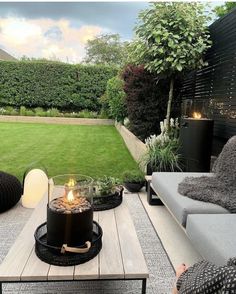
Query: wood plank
(171,234)
(61,273)
(90,269)
(111,266)
(35,269)
(14,263)
(133,259)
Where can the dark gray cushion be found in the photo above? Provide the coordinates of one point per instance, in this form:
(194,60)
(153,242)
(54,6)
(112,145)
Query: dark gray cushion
(213,235)
(165,184)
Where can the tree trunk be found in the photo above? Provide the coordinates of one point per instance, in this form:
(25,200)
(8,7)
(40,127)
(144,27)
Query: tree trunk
(170,101)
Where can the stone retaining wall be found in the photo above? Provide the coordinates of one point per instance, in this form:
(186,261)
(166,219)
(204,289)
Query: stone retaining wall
(136,147)
(56,120)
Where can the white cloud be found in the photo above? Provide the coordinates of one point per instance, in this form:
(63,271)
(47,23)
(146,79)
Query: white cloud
(31,38)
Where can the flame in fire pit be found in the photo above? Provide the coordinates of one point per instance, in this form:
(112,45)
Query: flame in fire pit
(70,196)
(69,189)
(71,183)
(197,115)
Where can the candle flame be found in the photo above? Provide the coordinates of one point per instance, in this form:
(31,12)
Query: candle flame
(70,196)
(71,183)
(197,115)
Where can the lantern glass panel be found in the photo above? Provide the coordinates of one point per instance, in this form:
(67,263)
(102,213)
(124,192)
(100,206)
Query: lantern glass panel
(192,108)
(70,186)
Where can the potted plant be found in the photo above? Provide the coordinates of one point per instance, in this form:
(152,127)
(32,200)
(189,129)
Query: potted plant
(162,150)
(107,193)
(133,180)
(162,155)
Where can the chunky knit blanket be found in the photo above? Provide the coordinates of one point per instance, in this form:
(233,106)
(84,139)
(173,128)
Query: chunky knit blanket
(219,188)
(205,277)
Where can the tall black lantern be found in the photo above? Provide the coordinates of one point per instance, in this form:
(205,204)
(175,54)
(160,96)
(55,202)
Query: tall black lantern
(196,134)
(69,210)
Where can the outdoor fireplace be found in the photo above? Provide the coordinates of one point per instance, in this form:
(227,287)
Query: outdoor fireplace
(196,133)
(69,211)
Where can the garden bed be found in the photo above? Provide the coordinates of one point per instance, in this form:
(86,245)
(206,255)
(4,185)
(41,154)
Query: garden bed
(56,120)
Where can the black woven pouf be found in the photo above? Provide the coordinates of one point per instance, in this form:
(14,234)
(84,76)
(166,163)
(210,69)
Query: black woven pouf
(10,191)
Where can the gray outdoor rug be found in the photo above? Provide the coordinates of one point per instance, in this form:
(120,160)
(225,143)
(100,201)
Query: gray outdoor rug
(160,270)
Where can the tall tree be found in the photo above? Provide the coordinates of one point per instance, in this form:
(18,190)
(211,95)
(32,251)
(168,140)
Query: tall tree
(171,38)
(224,9)
(107,50)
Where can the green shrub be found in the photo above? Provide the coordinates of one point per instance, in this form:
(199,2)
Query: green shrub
(163,150)
(116,98)
(54,112)
(29,112)
(133,176)
(39,111)
(9,110)
(53,85)
(2,111)
(23,110)
(103,114)
(87,114)
(104,102)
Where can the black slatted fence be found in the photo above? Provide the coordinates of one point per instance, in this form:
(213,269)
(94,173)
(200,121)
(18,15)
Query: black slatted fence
(216,82)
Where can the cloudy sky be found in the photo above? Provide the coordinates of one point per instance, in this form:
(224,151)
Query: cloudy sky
(61,29)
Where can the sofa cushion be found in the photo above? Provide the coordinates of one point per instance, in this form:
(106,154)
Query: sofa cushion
(213,235)
(165,184)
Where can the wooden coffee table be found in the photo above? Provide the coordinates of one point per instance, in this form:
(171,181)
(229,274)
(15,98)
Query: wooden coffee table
(120,258)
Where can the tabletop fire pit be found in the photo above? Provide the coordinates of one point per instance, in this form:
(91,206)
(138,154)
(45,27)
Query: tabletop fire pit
(70,236)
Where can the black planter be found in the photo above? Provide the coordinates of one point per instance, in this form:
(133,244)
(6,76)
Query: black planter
(134,186)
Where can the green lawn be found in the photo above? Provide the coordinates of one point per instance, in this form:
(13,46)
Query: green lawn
(89,150)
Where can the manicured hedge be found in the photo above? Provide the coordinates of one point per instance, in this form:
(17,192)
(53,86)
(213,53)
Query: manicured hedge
(52,84)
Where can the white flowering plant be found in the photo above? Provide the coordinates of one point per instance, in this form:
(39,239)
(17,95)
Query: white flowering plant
(2,110)
(162,150)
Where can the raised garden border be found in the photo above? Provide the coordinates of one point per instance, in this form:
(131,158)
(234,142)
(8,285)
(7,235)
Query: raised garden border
(56,120)
(136,147)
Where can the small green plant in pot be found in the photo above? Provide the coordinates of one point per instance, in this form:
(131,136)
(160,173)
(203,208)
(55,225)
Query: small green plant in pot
(133,181)
(163,150)
(108,193)
(107,186)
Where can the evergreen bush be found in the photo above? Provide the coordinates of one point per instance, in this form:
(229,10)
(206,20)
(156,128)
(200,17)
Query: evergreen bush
(116,98)
(53,85)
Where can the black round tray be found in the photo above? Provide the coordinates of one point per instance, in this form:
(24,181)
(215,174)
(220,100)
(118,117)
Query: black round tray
(53,255)
(108,202)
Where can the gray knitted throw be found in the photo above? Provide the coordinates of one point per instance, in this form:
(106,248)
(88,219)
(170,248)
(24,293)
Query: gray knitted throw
(221,187)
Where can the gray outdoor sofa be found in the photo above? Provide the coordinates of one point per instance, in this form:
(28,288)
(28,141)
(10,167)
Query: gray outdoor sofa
(210,227)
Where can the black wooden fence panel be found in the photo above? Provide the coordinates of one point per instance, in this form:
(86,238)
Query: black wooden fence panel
(216,82)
